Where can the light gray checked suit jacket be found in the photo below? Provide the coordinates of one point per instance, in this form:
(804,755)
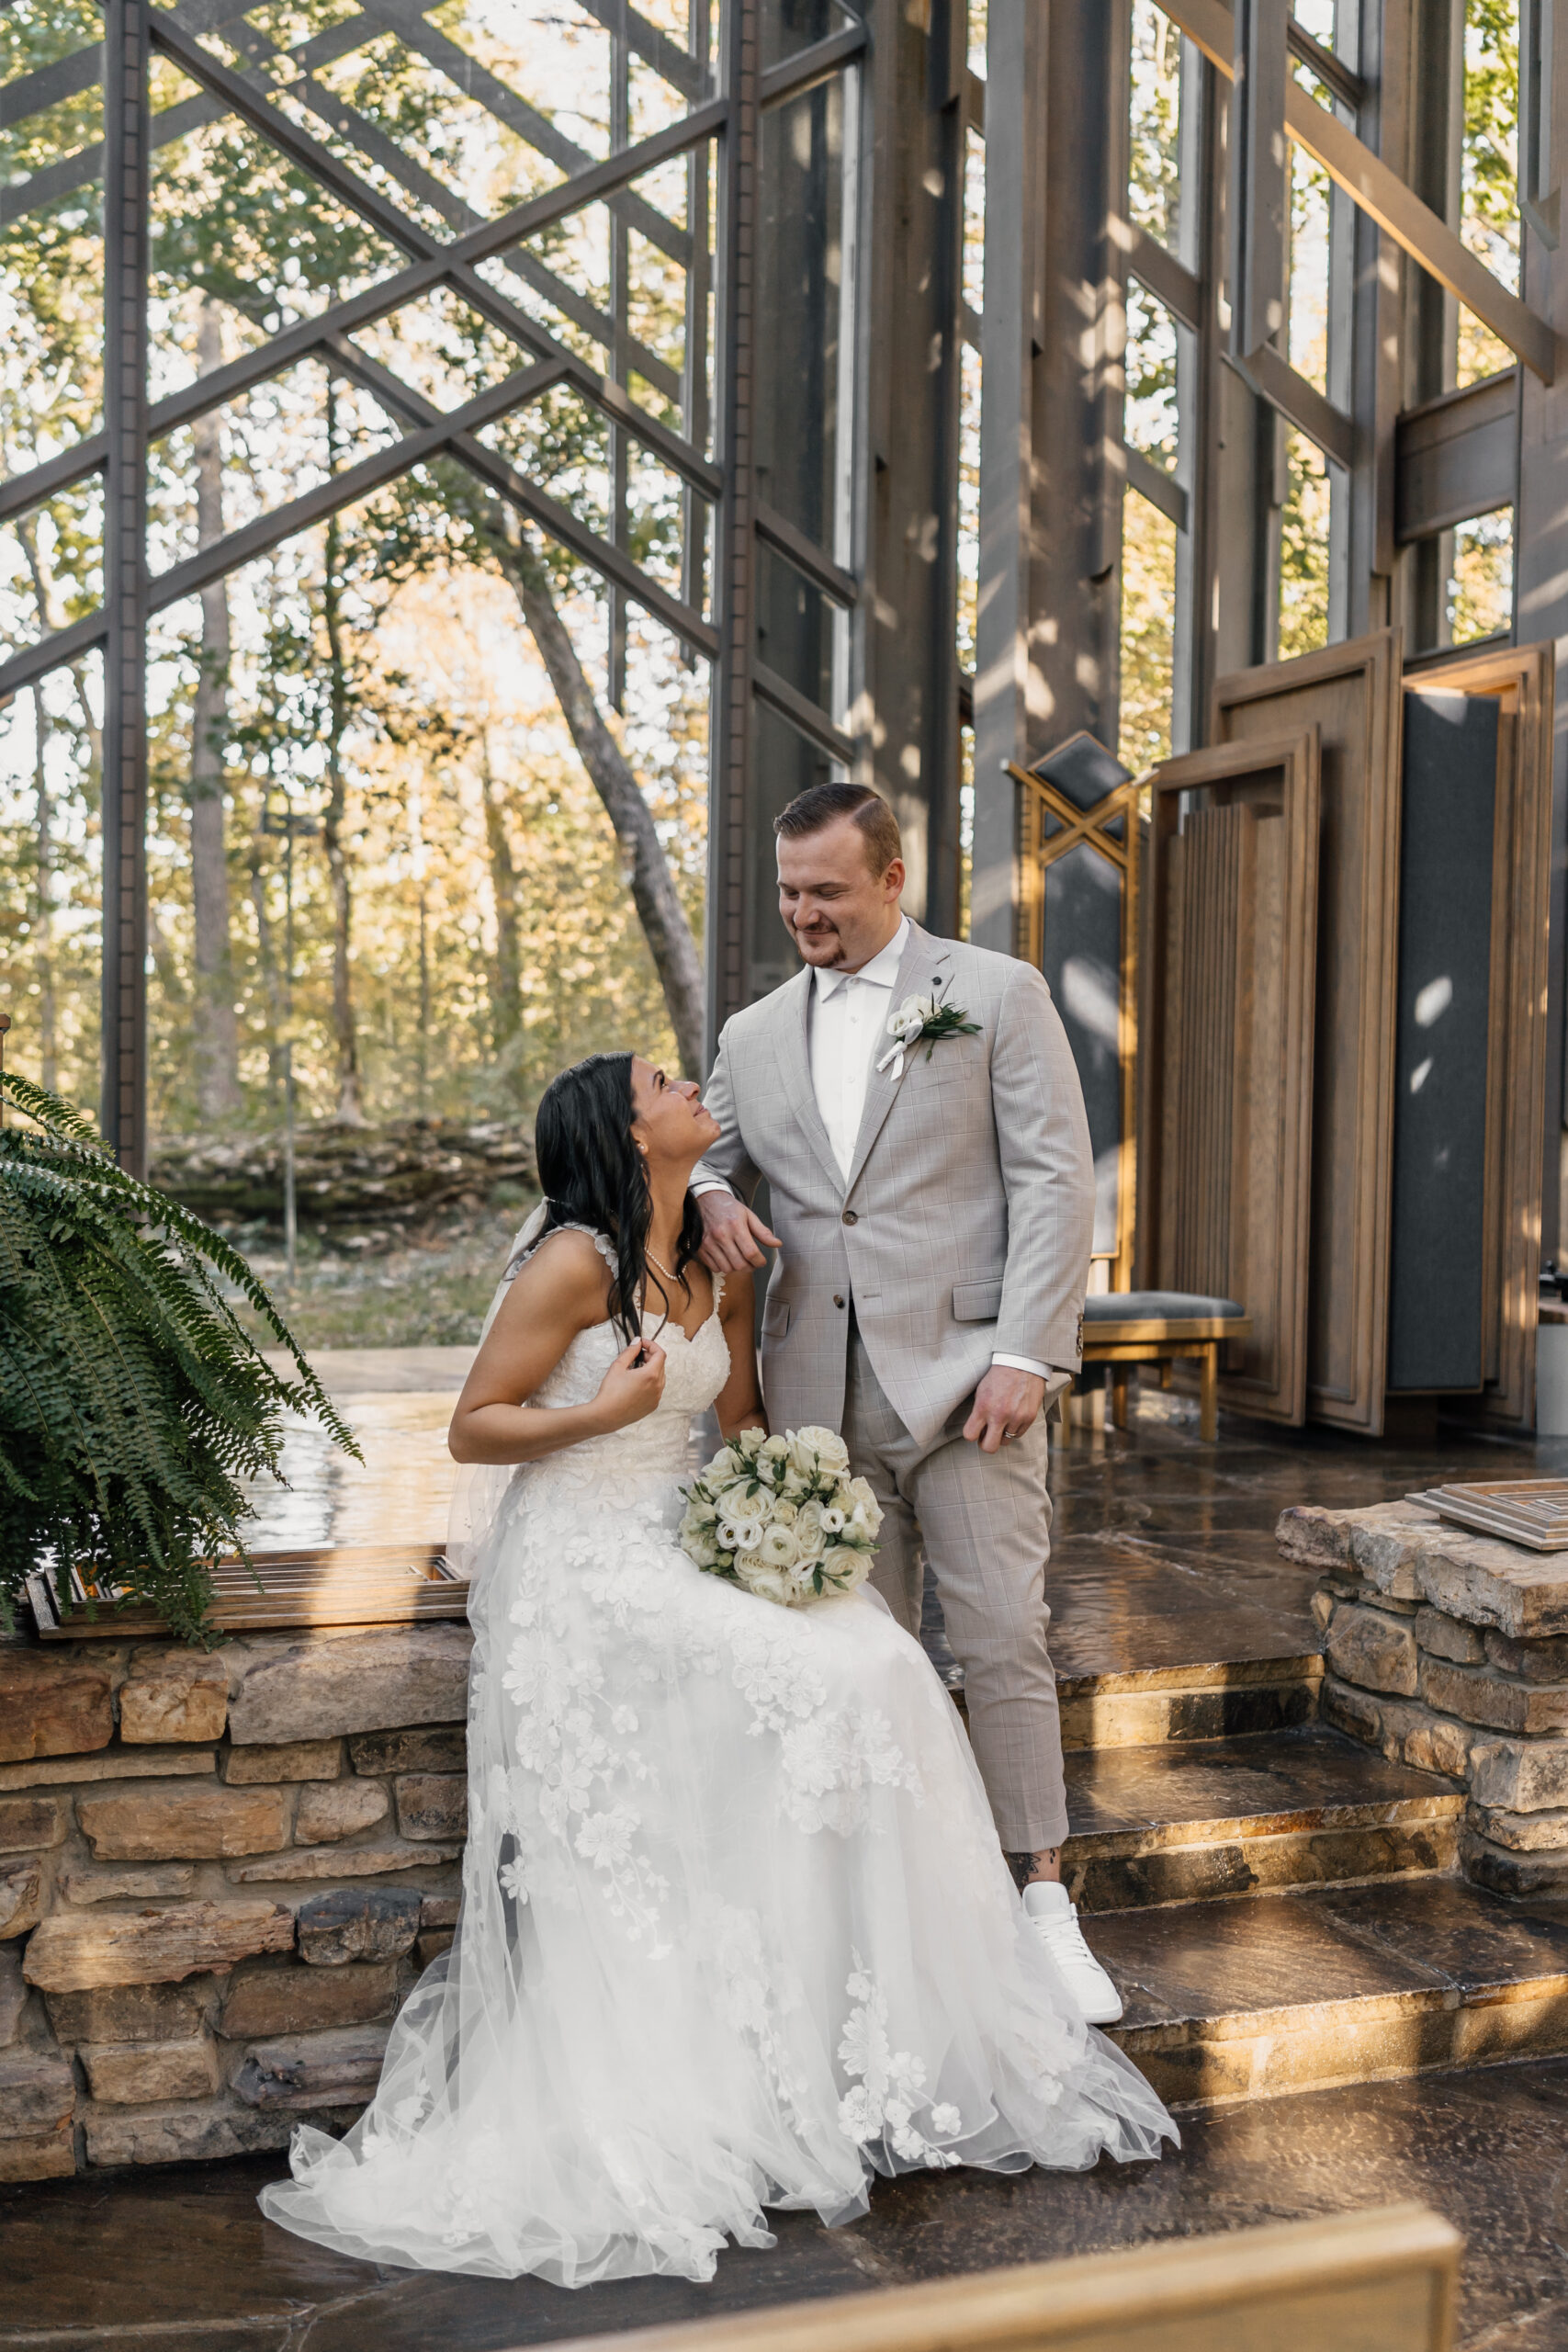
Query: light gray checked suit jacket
(965,1225)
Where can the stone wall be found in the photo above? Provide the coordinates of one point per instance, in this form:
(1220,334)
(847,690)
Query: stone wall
(219,1875)
(1449,1651)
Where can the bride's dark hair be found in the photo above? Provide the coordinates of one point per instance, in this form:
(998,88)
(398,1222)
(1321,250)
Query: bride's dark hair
(592,1173)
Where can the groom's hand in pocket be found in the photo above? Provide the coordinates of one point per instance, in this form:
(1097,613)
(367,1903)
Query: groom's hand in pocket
(1006,1403)
(733,1238)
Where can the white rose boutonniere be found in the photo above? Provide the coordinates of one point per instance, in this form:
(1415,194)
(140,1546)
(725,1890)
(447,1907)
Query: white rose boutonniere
(927,1017)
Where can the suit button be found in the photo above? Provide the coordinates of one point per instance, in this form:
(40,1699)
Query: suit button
(851,1218)
(837,1300)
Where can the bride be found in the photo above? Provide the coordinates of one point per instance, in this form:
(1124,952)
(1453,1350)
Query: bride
(736,1930)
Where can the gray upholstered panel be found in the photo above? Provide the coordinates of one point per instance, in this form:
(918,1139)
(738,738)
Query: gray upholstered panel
(1435,1337)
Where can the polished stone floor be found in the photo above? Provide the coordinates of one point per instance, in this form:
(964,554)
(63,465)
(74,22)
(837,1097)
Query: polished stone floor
(1166,1590)
(170,2261)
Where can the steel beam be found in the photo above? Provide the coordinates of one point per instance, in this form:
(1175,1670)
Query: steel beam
(735,567)
(1456,457)
(1390,202)
(807,718)
(389,294)
(1258,208)
(126,145)
(904,687)
(328,497)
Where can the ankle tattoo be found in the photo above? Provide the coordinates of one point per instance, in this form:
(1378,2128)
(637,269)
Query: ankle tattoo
(1023,1866)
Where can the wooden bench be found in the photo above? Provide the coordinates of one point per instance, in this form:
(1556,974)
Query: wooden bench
(1122,1327)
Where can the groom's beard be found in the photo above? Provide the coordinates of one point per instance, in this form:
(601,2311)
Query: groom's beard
(819,939)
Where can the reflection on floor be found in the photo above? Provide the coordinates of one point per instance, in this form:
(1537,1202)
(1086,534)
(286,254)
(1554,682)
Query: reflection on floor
(1276,1903)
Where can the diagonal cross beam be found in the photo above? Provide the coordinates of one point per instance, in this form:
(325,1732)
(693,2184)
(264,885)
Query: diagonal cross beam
(244,100)
(1081,824)
(529,499)
(429,190)
(389,294)
(267,531)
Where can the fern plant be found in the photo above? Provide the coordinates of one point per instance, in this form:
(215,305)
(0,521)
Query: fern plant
(132,1400)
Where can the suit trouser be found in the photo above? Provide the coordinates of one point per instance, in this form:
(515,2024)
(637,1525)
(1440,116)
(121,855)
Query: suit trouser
(985,1520)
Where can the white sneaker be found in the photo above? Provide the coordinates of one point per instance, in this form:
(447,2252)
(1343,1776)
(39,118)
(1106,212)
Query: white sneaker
(1056,1921)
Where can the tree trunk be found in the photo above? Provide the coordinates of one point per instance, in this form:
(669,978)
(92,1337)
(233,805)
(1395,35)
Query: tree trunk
(507,978)
(658,902)
(43,922)
(216,1034)
(350,1108)
(271,980)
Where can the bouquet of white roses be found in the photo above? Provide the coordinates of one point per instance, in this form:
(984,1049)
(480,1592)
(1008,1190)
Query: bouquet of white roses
(782,1517)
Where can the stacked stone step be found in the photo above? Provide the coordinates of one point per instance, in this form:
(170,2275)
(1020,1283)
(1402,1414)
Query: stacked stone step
(1284,1910)
(219,1875)
(1451,1650)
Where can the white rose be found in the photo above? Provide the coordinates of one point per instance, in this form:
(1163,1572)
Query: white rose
(832,1519)
(778,1448)
(769,1584)
(778,1547)
(749,1534)
(815,1440)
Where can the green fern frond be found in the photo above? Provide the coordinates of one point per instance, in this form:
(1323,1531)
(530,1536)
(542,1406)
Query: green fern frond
(134,1405)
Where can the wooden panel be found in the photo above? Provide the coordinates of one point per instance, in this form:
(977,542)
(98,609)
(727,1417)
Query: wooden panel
(1380,2281)
(1350,695)
(1228,1023)
(343,1584)
(1521,678)
(1439,1290)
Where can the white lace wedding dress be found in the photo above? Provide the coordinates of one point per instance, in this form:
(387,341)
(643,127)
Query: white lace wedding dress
(736,1930)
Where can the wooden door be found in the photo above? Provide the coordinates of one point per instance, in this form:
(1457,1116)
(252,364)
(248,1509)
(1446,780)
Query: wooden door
(1227,1023)
(1520,680)
(1351,696)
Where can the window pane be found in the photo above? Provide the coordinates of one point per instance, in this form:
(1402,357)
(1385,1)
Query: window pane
(1148,633)
(1153,194)
(1481,586)
(1303,548)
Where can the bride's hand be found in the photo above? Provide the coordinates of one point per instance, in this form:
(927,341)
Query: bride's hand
(632,1387)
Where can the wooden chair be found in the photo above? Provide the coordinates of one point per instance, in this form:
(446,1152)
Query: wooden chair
(1379,2281)
(1121,1327)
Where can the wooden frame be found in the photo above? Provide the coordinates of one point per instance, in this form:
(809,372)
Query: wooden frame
(1384,2281)
(1521,678)
(1250,1091)
(1037,850)
(1353,694)
(1162,1340)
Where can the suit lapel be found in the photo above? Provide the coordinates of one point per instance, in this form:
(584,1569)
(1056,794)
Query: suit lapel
(795,1063)
(924,968)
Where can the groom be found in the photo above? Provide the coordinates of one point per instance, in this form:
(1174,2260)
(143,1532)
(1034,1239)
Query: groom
(935,1212)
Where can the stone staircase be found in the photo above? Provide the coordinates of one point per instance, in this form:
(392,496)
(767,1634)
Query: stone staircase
(1280,1906)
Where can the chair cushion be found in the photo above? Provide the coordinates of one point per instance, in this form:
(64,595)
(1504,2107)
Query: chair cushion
(1145,1305)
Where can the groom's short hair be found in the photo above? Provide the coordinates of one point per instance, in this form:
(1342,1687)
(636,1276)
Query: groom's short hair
(820,804)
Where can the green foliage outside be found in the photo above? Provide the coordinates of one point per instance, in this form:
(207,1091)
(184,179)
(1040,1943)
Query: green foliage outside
(133,1402)
(458,906)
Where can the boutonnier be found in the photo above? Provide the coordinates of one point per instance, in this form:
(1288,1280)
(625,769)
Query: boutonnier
(927,1017)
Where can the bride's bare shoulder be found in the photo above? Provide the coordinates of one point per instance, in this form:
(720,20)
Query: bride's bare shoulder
(565,1273)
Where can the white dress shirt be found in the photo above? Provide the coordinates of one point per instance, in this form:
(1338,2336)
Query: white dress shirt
(847,1032)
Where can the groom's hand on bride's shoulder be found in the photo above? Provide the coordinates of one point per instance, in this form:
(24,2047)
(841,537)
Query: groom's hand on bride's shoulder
(733,1237)
(1006,1403)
